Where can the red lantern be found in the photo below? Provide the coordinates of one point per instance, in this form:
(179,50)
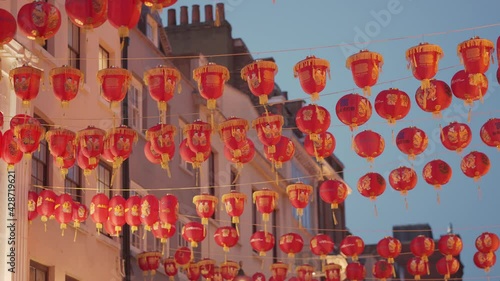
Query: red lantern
(382,270)
(333,192)
(65,82)
(279,271)
(365,67)
(99,210)
(298,194)
(229,270)
(312,76)
(61,144)
(352,246)
(262,242)
(163,233)
(422,246)
(284,151)
(39,21)
(63,210)
(11,153)
(9,27)
(226,237)
(161,137)
(247,153)
(161,82)
(193,271)
(485,260)
(269,127)
(193,232)
(456,136)
(258,276)
(190,156)
(322,147)
(417,267)
(32,199)
(169,210)
(312,120)
(26,81)
(403,179)
(355,271)
(110,228)
(91,143)
(447,267)
(437,173)
(124,15)
(233,133)
(450,245)
(198,138)
(211,79)
(205,206)
(389,248)
(80,214)
(84,163)
(117,205)
(260,78)
(207,267)
(487,242)
(475,54)
(291,244)
(21,119)
(158,5)
(304,272)
(170,267)
(87,14)
(121,140)
(424,61)
(490,133)
(114,81)
(332,272)
(234,203)
(45,204)
(369,145)
(434,99)
(392,104)
(475,165)
(218,275)
(182,255)
(150,211)
(133,212)
(467,92)
(151,155)
(28,137)
(371,185)
(149,262)
(265,200)
(353,110)
(321,245)
(412,141)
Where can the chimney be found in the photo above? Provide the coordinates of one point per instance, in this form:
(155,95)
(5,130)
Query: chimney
(184,15)
(172,20)
(209,13)
(195,16)
(219,13)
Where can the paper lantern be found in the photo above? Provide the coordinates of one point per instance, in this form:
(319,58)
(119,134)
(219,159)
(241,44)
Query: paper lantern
(182,255)
(39,20)
(353,110)
(229,270)
(269,128)
(424,61)
(45,204)
(485,260)
(371,185)
(211,79)
(80,214)
(352,246)
(265,200)
(403,179)
(66,82)
(284,151)
(417,267)
(233,133)
(226,237)
(28,137)
(467,92)
(260,78)
(321,245)
(133,212)
(320,148)
(170,267)
(169,210)
(412,141)
(158,5)
(258,276)
(291,244)
(262,242)
(355,271)
(193,271)
(422,246)
(149,262)
(487,242)
(9,27)
(279,271)
(91,143)
(490,133)
(450,245)
(67,162)
(207,267)
(87,14)
(369,145)
(475,165)
(161,82)
(150,211)
(304,272)
(117,206)
(389,248)
(163,233)
(151,155)
(392,105)
(193,232)
(312,120)
(447,267)
(63,210)
(190,156)
(475,54)
(121,140)
(234,203)
(332,272)
(61,143)
(124,15)
(26,81)
(298,194)
(365,67)
(240,156)
(161,137)
(11,154)
(99,212)
(434,99)
(205,206)
(32,200)
(382,270)
(312,76)
(333,192)
(456,136)
(198,138)
(114,81)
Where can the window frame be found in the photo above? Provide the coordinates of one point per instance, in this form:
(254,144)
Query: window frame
(69,278)
(39,267)
(151,26)
(76,50)
(74,185)
(107,188)
(43,149)
(136,90)
(107,58)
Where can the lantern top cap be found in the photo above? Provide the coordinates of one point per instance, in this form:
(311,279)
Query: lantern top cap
(475,42)
(310,61)
(377,58)
(265,119)
(258,64)
(424,47)
(211,67)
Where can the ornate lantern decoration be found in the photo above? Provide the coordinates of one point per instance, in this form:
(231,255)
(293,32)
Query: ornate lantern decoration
(80,215)
(169,210)
(403,179)
(217,274)
(258,276)
(475,54)
(61,144)
(269,127)
(490,133)
(423,247)
(417,267)
(322,147)
(65,81)
(265,200)
(234,203)
(207,267)
(333,192)
(32,199)
(284,151)
(437,173)
(392,105)
(182,255)
(466,91)
(352,246)
(450,245)
(121,140)
(412,141)
(28,137)
(158,5)
(226,237)
(205,206)
(150,211)
(304,272)
(170,267)
(133,212)
(312,76)
(321,245)
(353,110)
(332,272)
(436,98)
(198,138)
(150,154)
(246,154)
(87,14)
(9,27)
(39,21)
(11,153)
(365,67)
(63,210)
(279,271)
(45,204)
(99,212)
(447,267)
(262,242)
(424,61)
(114,81)
(456,136)
(91,143)
(313,120)
(149,262)
(211,79)
(298,194)
(124,15)
(485,260)
(291,244)
(369,145)
(26,81)
(193,271)
(355,271)
(161,137)
(229,270)
(260,78)
(382,270)
(190,156)
(161,82)
(193,232)
(110,228)
(117,206)
(487,242)
(475,165)
(163,233)
(233,133)
(371,185)
(389,248)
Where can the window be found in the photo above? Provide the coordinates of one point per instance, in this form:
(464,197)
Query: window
(40,162)
(136,239)
(185,165)
(103,58)
(234,178)
(73,183)
(38,272)
(152,30)
(135,106)
(73,45)
(211,173)
(181,242)
(68,278)
(104,174)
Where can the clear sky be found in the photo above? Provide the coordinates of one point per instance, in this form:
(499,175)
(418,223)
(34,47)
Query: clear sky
(390,27)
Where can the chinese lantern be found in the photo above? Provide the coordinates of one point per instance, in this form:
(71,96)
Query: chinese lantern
(422,246)
(371,185)
(158,5)
(80,215)
(333,192)
(193,232)
(205,206)
(149,262)
(169,210)
(234,203)
(475,54)
(279,271)
(447,267)
(353,110)
(304,272)
(99,212)
(116,210)
(424,61)
(91,143)
(389,248)
(198,138)
(150,154)
(369,145)
(467,92)
(269,127)
(437,173)
(207,267)
(45,204)
(320,148)
(133,212)
(265,200)
(258,276)
(26,81)
(218,275)
(9,27)
(382,270)
(321,245)
(332,272)
(211,79)
(87,14)
(312,120)
(284,151)
(485,260)
(63,210)
(352,246)
(124,15)
(170,267)
(114,81)
(475,165)
(161,82)
(291,244)
(65,81)
(182,255)
(417,267)
(436,98)
(260,78)
(226,237)
(355,271)
(28,137)
(233,133)
(110,228)
(490,132)
(365,67)
(11,153)
(312,76)
(412,141)
(150,211)
(161,137)
(229,270)
(21,119)
(246,154)
(262,242)
(487,242)
(450,245)
(32,200)
(456,136)
(163,233)
(84,163)
(39,21)
(121,140)
(190,156)
(403,179)
(298,194)
(193,271)
(61,143)
(392,105)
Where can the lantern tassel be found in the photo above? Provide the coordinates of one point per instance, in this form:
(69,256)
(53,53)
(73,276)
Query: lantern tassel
(469,115)
(334,217)
(376,210)
(76,232)
(367,91)
(438,197)
(406,203)
(479,193)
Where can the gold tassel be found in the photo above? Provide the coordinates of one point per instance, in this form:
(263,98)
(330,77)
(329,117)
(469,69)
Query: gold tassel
(469,115)
(334,217)
(76,232)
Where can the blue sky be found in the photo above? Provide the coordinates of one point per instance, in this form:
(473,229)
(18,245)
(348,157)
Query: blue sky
(390,27)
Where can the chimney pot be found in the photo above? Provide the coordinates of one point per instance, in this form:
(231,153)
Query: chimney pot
(172,19)
(220,12)
(195,14)
(184,15)
(209,13)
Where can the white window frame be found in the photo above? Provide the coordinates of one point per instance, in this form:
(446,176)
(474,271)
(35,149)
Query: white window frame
(187,167)
(135,89)
(136,189)
(152,30)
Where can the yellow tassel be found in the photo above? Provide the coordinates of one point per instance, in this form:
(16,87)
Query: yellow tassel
(469,115)
(211,103)
(314,96)
(367,91)
(263,99)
